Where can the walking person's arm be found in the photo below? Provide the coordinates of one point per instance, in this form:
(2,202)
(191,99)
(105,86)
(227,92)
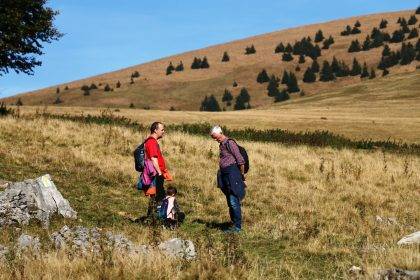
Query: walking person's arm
(156,165)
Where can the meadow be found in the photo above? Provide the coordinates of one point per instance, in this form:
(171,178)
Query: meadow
(309,213)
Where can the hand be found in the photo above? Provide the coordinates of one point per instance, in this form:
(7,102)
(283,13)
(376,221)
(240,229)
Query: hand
(243,177)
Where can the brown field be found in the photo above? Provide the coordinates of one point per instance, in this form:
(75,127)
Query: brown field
(309,213)
(380,109)
(185,90)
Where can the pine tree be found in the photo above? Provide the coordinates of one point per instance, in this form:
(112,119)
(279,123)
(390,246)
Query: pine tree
(279,48)
(170,68)
(179,67)
(399,20)
(292,85)
(314,52)
(356,68)
(107,88)
(235,84)
(319,36)
(118,84)
(93,86)
(418,45)
(335,67)
(250,50)
(86,92)
(418,10)
(301,59)
(418,56)
(262,77)
(365,72)
(343,69)
(413,33)
(326,73)
(385,72)
(85,87)
(372,74)
(225,57)
(397,36)
(196,64)
(273,86)
(408,54)
(309,76)
(383,24)
(366,44)
(57,90)
(378,39)
(328,42)
(58,100)
(287,57)
(354,46)
(285,78)
(210,104)
(131,105)
(357,24)
(386,51)
(135,74)
(227,97)
(347,31)
(204,63)
(66,88)
(281,96)
(315,66)
(242,100)
(412,20)
(19,102)
(288,48)
(355,30)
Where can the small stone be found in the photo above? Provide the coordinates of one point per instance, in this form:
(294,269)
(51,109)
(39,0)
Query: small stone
(413,238)
(177,247)
(355,270)
(28,243)
(397,274)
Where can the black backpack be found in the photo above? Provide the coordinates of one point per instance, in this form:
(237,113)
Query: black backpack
(139,155)
(243,153)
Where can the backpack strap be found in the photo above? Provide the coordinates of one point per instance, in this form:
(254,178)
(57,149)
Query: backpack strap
(229,149)
(144,144)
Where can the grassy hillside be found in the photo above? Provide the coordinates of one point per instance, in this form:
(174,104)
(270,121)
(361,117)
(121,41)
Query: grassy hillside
(310,213)
(185,90)
(379,109)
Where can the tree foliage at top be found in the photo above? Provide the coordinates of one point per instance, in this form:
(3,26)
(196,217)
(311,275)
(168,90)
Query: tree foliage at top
(24,26)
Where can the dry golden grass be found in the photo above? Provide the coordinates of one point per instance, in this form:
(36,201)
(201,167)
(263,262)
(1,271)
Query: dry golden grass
(380,109)
(309,213)
(185,90)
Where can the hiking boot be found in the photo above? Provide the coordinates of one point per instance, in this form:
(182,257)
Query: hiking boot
(233,230)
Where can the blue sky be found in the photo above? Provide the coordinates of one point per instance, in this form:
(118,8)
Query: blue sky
(101,36)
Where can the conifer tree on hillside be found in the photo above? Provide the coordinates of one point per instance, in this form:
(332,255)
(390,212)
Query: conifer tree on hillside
(273,86)
(225,57)
(279,48)
(288,48)
(335,66)
(66,88)
(309,76)
(385,72)
(347,31)
(58,100)
(85,87)
(287,57)
(196,64)
(418,10)
(343,69)
(262,77)
(386,51)
(297,68)
(408,53)
(107,88)
(365,72)
(412,20)
(170,68)
(354,46)
(285,78)
(315,52)
(418,56)
(250,50)
(118,84)
(204,63)
(19,102)
(399,20)
(357,24)
(242,100)
(281,96)
(227,97)
(135,74)
(372,74)
(315,66)
(397,36)
(210,104)
(378,38)
(356,68)
(328,42)
(383,24)
(326,73)
(57,90)
(319,36)
(179,67)
(301,59)
(418,46)
(93,86)
(132,81)
(355,30)
(366,44)
(413,33)
(292,85)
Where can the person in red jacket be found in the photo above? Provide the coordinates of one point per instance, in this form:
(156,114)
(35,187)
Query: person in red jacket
(156,191)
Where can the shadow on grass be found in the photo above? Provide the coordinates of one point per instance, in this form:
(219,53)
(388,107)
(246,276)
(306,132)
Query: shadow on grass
(213,224)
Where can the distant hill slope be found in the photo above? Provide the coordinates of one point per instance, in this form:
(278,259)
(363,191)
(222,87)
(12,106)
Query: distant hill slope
(186,89)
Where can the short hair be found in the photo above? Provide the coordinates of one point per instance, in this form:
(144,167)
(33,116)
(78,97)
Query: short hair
(154,126)
(171,191)
(216,129)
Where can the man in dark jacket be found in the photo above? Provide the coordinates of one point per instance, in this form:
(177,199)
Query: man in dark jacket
(231,176)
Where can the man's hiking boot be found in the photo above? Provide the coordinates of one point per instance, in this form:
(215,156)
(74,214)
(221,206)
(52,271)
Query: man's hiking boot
(232,230)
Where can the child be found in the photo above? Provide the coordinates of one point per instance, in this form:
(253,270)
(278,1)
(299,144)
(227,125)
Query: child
(169,210)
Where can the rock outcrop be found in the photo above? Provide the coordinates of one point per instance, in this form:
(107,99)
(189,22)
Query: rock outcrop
(413,238)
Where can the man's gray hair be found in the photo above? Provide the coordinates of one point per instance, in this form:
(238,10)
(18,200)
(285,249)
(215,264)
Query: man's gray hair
(216,129)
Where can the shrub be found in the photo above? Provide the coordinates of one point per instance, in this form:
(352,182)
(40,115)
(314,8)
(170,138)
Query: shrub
(204,63)
(179,67)
(225,57)
(93,86)
(169,69)
(250,50)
